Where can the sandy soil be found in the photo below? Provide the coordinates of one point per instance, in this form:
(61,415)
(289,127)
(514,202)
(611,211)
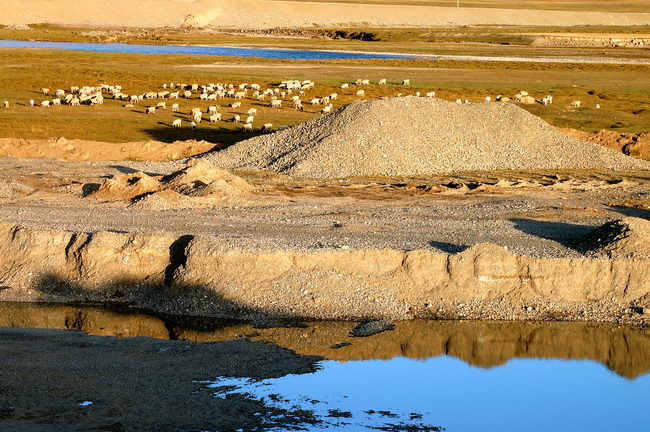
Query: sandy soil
(262,14)
(82,150)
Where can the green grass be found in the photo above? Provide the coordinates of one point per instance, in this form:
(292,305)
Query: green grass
(623,92)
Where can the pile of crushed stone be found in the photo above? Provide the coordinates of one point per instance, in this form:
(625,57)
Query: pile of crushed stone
(198,184)
(622,238)
(419,136)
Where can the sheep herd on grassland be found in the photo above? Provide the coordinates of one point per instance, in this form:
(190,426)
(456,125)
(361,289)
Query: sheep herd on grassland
(290,90)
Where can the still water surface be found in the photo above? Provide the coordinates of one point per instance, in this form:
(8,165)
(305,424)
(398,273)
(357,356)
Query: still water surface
(422,375)
(199,50)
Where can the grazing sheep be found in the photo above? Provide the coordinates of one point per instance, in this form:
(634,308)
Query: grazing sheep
(129,105)
(45,103)
(326,109)
(430,94)
(315,101)
(235,105)
(267,127)
(198,117)
(187,94)
(161,105)
(459,101)
(150,110)
(576,104)
(298,106)
(177,123)
(214,118)
(31,102)
(236,118)
(195,110)
(248,127)
(203,96)
(345,85)
(365,82)
(193,125)
(488,99)
(383,81)
(275,103)
(252,111)
(406,82)
(174,95)
(212,109)
(56,102)
(334,96)
(45,91)
(175,107)
(597,106)
(6,104)
(76,102)
(250,119)
(361,92)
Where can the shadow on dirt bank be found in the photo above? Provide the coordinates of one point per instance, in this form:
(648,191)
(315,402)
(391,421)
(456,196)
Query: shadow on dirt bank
(564,233)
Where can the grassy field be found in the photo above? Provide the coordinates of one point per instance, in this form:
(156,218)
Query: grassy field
(623,92)
(572,5)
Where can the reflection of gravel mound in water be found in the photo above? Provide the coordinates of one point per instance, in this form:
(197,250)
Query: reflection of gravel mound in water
(623,238)
(198,184)
(419,136)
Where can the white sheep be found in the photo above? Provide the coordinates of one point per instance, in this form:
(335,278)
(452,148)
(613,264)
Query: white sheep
(326,109)
(212,109)
(174,95)
(203,96)
(193,125)
(267,127)
(177,123)
(175,107)
(198,117)
(235,105)
(45,103)
(252,111)
(406,82)
(45,91)
(161,105)
(150,110)
(488,99)
(345,85)
(459,101)
(430,94)
(56,102)
(576,104)
(214,118)
(334,96)
(31,102)
(275,103)
(76,102)
(187,94)
(250,119)
(248,127)
(361,92)
(365,82)
(236,118)
(383,81)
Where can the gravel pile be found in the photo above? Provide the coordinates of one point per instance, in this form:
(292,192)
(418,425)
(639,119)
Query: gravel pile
(419,136)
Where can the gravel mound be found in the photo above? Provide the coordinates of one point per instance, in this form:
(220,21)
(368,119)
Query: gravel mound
(419,136)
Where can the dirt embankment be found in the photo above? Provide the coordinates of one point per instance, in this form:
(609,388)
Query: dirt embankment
(635,145)
(82,150)
(268,14)
(206,276)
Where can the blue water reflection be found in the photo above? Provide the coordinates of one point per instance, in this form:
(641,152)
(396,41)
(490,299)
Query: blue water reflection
(529,395)
(199,50)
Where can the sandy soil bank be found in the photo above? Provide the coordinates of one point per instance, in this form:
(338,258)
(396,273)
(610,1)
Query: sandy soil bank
(201,275)
(264,14)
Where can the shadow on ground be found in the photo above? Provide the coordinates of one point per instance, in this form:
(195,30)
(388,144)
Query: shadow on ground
(564,233)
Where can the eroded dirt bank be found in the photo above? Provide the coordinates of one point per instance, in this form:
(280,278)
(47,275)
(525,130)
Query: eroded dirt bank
(206,276)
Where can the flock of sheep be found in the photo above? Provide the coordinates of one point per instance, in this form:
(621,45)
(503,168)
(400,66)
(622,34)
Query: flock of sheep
(291,91)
